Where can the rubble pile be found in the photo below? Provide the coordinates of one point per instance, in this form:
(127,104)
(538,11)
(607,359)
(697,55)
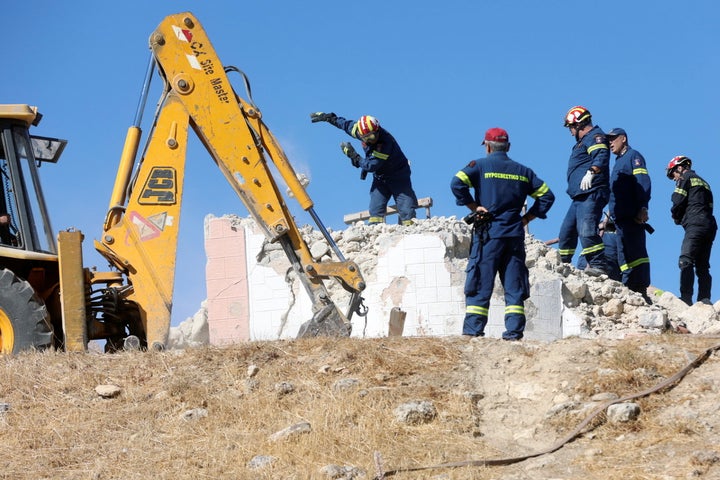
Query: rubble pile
(604,307)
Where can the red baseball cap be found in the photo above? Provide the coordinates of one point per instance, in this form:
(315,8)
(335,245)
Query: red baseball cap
(496,135)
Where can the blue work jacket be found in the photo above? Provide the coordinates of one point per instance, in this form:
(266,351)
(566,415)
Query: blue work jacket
(591,150)
(384,158)
(692,202)
(501,185)
(629,185)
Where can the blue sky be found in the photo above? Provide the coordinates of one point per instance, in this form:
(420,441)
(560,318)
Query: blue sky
(436,75)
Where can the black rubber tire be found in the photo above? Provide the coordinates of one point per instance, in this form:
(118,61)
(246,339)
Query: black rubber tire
(23,316)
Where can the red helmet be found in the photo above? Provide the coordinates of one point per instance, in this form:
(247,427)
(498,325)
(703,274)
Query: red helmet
(577,117)
(367,125)
(675,162)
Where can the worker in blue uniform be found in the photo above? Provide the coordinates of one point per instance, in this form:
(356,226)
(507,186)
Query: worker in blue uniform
(384,159)
(629,199)
(501,187)
(692,207)
(589,190)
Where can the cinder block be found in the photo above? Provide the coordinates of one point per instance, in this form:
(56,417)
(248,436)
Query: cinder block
(443,309)
(218,227)
(571,323)
(428,295)
(415,269)
(420,242)
(442,276)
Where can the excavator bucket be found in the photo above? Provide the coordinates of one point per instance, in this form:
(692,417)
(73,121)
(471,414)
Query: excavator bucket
(328,322)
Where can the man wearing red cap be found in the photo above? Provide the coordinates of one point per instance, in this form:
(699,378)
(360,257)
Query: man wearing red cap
(501,187)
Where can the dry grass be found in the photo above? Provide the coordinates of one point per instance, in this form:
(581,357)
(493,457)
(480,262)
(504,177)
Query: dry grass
(628,368)
(58,427)
(58,424)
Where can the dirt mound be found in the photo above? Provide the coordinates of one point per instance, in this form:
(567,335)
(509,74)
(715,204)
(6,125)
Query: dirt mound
(326,408)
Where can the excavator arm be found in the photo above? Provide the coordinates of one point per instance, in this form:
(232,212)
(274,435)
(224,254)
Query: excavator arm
(140,232)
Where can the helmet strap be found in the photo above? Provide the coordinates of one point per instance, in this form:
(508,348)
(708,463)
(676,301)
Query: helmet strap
(579,128)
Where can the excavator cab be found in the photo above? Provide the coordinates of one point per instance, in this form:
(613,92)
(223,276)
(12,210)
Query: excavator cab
(27,225)
(28,251)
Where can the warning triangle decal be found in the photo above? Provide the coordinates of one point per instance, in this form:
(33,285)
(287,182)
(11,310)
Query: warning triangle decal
(147,229)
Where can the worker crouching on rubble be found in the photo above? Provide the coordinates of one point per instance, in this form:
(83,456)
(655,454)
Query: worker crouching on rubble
(501,187)
(384,159)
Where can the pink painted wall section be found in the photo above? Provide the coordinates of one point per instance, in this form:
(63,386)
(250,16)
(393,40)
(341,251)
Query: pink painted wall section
(227,282)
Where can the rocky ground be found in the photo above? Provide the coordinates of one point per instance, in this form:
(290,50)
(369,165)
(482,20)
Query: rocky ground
(362,408)
(634,397)
(529,393)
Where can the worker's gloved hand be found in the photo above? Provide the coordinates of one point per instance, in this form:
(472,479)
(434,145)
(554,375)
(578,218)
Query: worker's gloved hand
(322,117)
(586,181)
(351,154)
(642,216)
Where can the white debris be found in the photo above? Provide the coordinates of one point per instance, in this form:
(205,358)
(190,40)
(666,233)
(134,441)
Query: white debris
(591,307)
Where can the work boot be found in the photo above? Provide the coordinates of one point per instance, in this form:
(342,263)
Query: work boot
(594,271)
(642,291)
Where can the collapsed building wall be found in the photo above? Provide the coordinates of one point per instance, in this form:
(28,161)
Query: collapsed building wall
(253,293)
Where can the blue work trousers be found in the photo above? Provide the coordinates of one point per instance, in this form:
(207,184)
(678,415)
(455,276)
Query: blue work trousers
(610,241)
(632,255)
(398,188)
(581,222)
(506,257)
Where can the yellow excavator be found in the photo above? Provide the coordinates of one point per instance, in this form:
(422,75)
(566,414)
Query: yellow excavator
(49,299)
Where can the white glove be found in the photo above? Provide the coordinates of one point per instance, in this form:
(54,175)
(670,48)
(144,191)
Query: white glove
(586,181)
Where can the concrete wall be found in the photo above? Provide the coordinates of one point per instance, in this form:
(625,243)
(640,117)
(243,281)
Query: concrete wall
(226,276)
(252,301)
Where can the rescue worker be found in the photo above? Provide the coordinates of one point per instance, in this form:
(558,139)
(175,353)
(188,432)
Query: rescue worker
(629,199)
(501,187)
(589,190)
(384,159)
(692,207)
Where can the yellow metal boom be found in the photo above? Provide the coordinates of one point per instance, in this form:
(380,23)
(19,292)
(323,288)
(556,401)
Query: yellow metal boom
(141,228)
